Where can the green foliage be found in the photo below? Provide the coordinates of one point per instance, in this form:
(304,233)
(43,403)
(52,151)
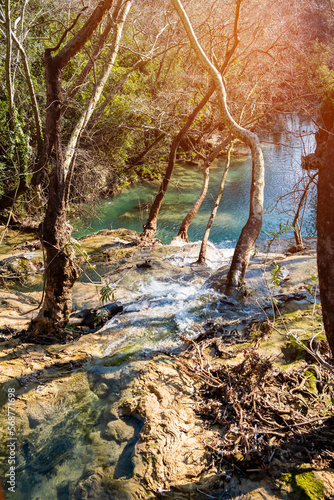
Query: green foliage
(15,150)
(276,274)
(107,292)
(274,235)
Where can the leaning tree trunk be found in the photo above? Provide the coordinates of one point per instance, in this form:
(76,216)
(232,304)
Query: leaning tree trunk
(183,231)
(202,253)
(150,227)
(253,226)
(325,242)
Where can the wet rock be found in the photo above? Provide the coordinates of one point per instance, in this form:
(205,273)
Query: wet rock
(106,452)
(101,390)
(171,447)
(118,431)
(91,488)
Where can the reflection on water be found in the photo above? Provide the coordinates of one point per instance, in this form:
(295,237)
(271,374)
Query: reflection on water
(282,153)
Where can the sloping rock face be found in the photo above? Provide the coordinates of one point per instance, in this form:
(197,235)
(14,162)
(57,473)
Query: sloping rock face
(170,451)
(172,446)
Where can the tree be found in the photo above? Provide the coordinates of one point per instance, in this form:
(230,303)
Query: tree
(325,220)
(202,252)
(61,272)
(253,226)
(150,226)
(183,231)
(15,140)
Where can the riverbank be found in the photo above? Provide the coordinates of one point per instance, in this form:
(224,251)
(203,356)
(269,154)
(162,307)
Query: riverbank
(122,411)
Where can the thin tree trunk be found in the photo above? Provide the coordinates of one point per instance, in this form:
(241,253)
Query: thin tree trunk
(80,80)
(8,66)
(119,16)
(151,224)
(32,93)
(138,159)
(183,231)
(253,226)
(325,241)
(114,91)
(202,253)
(295,223)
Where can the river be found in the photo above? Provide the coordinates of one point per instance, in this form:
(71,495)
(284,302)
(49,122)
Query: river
(282,153)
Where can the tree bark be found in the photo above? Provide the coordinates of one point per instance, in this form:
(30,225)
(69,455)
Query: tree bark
(61,272)
(202,253)
(60,61)
(118,17)
(325,241)
(253,226)
(150,227)
(183,231)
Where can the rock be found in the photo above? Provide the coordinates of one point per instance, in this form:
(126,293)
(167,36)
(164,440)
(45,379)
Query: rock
(118,431)
(91,488)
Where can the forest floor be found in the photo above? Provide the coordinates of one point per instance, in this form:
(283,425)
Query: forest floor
(239,410)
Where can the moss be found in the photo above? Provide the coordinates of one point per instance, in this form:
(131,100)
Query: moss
(311,381)
(304,485)
(309,487)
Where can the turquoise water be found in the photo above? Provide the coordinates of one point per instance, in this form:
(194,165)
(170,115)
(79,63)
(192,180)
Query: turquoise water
(282,153)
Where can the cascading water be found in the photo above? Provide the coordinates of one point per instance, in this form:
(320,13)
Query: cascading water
(67,431)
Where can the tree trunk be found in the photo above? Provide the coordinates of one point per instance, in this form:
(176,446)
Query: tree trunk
(183,231)
(295,223)
(60,272)
(118,19)
(253,226)
(202,253)
(61,60)
(325,242)
(150,227)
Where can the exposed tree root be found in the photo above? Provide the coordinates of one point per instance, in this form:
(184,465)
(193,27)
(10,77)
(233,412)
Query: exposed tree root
(268,418)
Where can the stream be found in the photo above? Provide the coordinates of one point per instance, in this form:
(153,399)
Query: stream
(72,426)
(282,154)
